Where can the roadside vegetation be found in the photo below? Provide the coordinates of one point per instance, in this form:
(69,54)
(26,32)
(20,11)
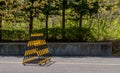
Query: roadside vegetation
(60,20)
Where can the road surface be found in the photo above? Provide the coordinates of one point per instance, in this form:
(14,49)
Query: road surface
(62,65)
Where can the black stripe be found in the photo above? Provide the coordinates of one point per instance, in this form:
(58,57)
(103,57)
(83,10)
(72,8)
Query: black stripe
(31,55)
(31,47)
(41,47)
(45,55)
(36,61)
(37,38)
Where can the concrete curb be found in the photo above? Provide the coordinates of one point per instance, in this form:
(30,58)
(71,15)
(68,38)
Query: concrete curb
(61,49)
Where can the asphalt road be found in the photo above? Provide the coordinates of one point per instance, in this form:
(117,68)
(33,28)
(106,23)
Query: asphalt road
(62,65)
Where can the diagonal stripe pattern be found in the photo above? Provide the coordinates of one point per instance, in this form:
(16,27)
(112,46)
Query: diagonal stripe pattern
(37,51)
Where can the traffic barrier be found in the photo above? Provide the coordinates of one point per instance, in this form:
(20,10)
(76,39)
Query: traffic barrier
(43,61)
(37,51)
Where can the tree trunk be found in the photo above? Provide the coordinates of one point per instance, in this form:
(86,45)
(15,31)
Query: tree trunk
(53,26)
(47,27)
(91,20)
(0,27)
(80,23)
(98,28)
(31,23)
(63,20)
(81,16)
(31,19)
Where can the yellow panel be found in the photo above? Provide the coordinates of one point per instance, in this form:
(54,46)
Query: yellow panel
(29,59)
(28,52)
(43,52)
(33,35)
(43,61)
(44,41)
(35,43)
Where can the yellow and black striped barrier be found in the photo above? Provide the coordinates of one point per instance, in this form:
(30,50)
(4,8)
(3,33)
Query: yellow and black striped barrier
(37,51)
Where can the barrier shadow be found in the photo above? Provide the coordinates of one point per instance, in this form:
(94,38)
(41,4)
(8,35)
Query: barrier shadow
(47,64)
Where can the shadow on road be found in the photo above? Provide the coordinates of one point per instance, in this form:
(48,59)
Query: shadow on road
(43,65)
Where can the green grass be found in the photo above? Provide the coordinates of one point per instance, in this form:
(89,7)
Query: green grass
(99,31)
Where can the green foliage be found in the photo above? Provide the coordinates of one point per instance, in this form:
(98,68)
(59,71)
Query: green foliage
(15,35)
(82,34)
(99,19)
(72,34)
